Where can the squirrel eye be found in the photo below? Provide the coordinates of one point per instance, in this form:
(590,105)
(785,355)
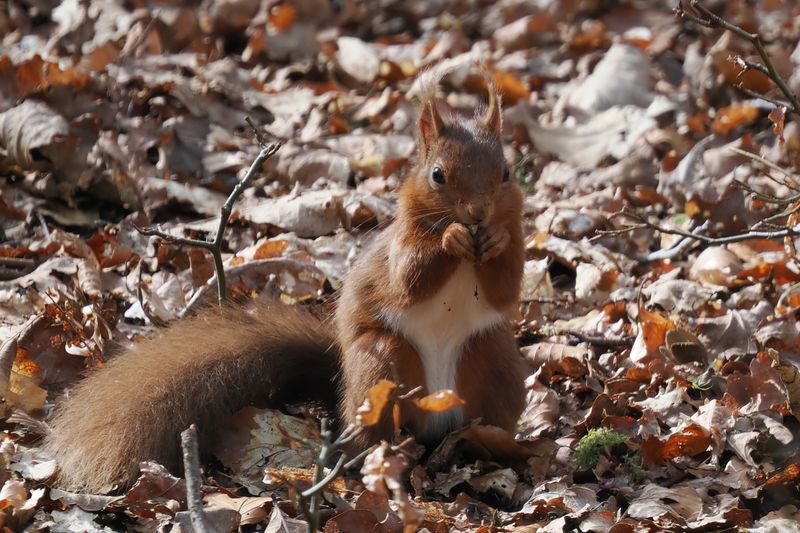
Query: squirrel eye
(506,174)
(438,175)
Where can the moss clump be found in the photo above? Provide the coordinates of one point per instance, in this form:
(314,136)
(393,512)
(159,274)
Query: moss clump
(596,442)
(633,465)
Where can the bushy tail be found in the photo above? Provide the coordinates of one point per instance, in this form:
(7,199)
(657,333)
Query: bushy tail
(198,371)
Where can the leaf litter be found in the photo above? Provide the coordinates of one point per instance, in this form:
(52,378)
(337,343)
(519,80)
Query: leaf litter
(671,362)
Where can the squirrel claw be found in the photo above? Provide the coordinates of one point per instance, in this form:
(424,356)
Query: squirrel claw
(493,241)
(458,242)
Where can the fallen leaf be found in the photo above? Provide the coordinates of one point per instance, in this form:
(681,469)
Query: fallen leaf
(439,401)
(375,403)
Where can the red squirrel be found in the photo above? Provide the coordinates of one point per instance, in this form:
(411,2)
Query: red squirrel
(428,303)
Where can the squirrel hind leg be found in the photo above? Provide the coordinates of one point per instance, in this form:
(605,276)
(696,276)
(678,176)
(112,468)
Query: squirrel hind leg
(491,378)
(374,355)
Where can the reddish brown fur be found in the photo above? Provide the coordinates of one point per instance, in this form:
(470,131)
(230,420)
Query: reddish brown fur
(490,378)
(409,262)
(198,371)
(203,368)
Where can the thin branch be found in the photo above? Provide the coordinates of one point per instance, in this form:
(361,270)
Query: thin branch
(309,498)
(191,468)
(679,247)
(704,17)
(322,483)
(162,234)
(767,222)
(767,163)
(599,341)
(215,246)
(355,461)
(705,239)
(766,198)
(746,65)
(753,94)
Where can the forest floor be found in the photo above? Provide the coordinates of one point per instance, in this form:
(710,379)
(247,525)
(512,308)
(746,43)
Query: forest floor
(658,152)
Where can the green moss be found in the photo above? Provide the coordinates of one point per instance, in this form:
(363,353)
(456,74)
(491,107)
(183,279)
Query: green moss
(633,465)
(596,442)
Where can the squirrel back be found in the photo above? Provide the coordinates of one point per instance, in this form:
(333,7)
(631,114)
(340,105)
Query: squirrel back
(198,371)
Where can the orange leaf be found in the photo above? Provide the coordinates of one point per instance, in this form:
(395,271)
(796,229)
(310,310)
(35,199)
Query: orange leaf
(270,249)
(654,328)
(439,401)
(638,373)
(692,208)
(378,396)
(509,86)
(733,116)
(24,366)
(282,17)
(691,441)
(790,474)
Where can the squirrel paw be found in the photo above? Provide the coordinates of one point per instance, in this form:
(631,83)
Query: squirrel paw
(492,242)
(458,242)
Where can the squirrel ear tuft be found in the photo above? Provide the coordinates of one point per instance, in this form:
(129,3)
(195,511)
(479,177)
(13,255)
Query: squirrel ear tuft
(430,124)
(494,115)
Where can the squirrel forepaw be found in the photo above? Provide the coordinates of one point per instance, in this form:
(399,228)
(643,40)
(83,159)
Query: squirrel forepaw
(458,242)
(492,242)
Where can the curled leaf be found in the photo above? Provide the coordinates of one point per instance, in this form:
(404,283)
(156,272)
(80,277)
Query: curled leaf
(378,396)
(439,401)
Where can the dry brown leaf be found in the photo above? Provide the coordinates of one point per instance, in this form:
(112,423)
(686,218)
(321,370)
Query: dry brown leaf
(252,510)
(541,413)
(554,357)
(354,520)
(684,347)
(788,475)
(622,77)
(279,522)
(502,482)
(778,118)
(38,137)
(495,442)
(254,438)
(716,266)
(357,59)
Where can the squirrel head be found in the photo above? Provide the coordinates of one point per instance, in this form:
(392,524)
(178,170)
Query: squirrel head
(461,173)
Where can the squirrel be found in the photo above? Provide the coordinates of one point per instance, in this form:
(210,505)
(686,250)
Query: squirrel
(429,303)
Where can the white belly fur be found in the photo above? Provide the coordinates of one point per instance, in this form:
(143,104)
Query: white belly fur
(438,328)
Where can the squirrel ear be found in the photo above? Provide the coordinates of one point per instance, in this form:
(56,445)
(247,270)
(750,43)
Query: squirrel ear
(494,115)
(430,124)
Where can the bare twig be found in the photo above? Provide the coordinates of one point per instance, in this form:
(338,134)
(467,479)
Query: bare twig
(599,341)
(753,94)
(215,246)
(701,15)
(699,237)
(309,498)
(767,163)
(191,468)
(679,247)
(14,267)
(322,483)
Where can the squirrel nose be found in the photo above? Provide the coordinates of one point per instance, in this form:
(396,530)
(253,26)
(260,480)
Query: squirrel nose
(477,212)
